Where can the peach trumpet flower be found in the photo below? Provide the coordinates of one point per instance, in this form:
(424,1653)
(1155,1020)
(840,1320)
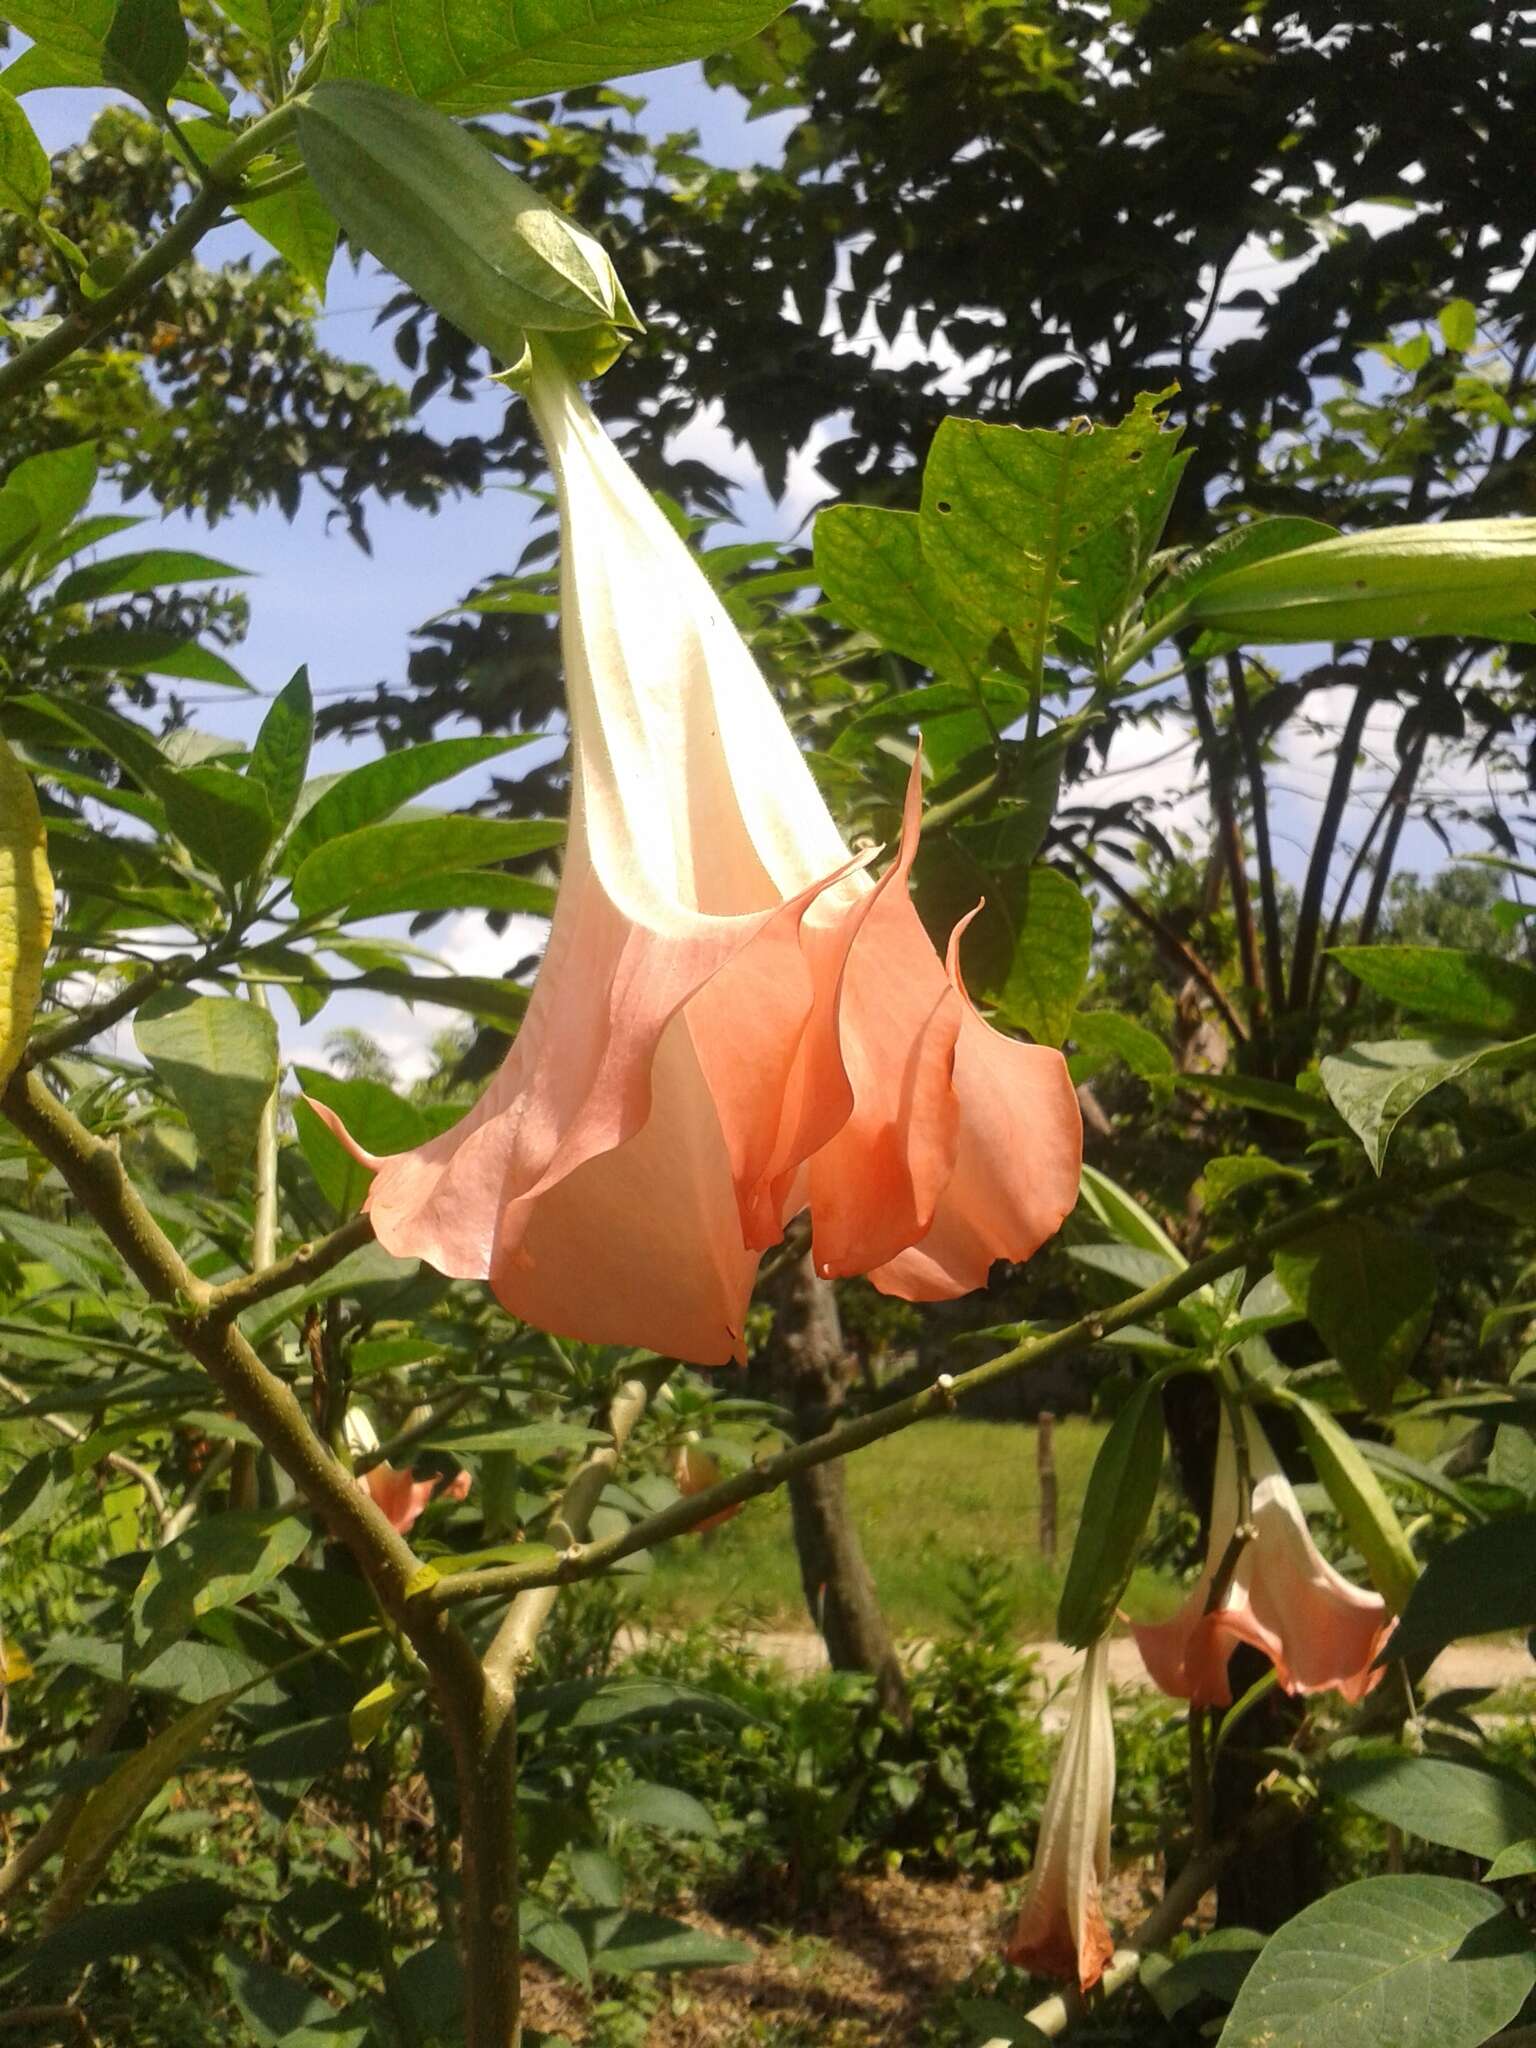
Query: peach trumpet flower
(1061,1930)
(1319,1631)
(733,1021)
(398,1496)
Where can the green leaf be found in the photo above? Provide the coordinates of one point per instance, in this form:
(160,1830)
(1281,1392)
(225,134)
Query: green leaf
(225,819)
(216,1563)
(509,52)
(1458,325)
(1214,1968)
(1224,1178)
(870,564)
(1518,1860)
(450,220)
(1457,1805)
(456,889)
(1121,1490)
(300,227)
(500,1003)
(1374,1086)
(625,1943)
(1482,1583)
(373,792)
(378,1119)
(150,569)
(55,487)
(556,1940)
(1054,935)
(1361,1502)
(1396,1962)
(145,650)
(24,173)
(272,2004)
(376,857)
(218,1057)
(1467,576)
(1122,1038)
(1369,1293)
(186,1912)
(270,24)
(146,49)
(26,908)
(1039,530)
(660,1806)
(1269,1098)
(112,1808)
(280,756)
(1125,1218)
(1468,991)
(1237,548)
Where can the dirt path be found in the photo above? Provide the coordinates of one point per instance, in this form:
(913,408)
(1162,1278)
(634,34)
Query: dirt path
(1473,1666)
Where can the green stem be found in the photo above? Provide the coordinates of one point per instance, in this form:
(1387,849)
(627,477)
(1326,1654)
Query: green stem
(87,323)
(587,1560)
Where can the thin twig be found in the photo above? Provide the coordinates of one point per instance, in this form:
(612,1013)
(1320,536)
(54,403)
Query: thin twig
(308,1262)
(1263,848)
(1177,948)
(587,1560)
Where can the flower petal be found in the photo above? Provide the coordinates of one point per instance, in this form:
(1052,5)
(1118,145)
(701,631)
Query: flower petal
(1018,1159)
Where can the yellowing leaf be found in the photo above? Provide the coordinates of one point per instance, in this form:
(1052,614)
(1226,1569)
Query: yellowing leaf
(26,908)
(14,1666)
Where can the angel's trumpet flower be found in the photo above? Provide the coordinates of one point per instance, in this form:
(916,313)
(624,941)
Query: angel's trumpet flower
(1061,1930)
(1320,1632)
(732,1020)
(394,1491)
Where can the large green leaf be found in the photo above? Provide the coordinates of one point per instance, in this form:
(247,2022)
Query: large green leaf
(622,1943)
(146,650)
(272,24)
(218,1057)
(368,794)
(1457,1805)
(1369,1293)
(1464,576)
(1237,548)
(279,2008)
(24,175)
(1468,991)
(300,227)
(1121,1489)
(450,220)
(146,49)
(1373,1086)
(149,569)
(375,858)
(473,63)
(280,756)
(871,565)
(225,819)
(113,1807)
(179,1913)
(51,489)
(1054,935)
(1482,1583)
(216,1563)
(1391,1962)
(456,889)
(26,908)
(1040,530)
(642,1804)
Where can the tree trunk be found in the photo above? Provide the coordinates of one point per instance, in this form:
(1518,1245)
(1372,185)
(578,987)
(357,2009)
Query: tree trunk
(811,1371)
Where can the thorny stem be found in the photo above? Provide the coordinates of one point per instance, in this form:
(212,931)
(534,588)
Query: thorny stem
(586,1560)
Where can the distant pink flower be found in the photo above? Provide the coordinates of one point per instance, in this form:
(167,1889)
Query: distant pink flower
(1320,1632)
(1061,1929)
(733,1022)
(398,1496)
(694,1471)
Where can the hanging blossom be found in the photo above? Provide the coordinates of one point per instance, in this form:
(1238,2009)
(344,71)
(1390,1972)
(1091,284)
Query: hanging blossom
(1061,1930)
(398,1496)
(695,1471)
(733,1021)
(1320,1632)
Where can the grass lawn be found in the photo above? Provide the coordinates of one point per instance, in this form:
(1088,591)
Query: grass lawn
(923,1501)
